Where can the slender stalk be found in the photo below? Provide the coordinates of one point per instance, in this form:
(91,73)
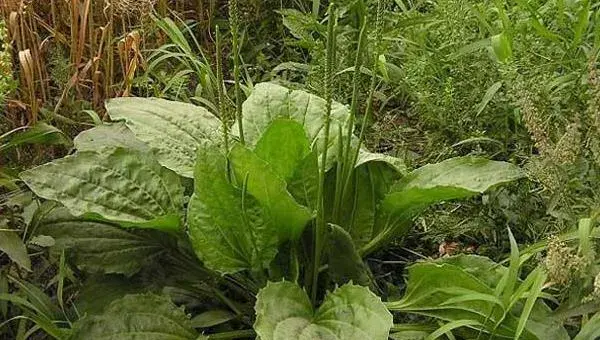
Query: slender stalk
(220,93)
(373,84)
(316,4)
(234,23)
(321,223)
(347,162)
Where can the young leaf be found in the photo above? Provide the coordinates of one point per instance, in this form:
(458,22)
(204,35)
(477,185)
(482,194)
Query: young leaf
(454,178)
(109,136)
(345,264)
(283,145)
(143,316)
(285,215)
(351,312)
(502,47)
(12,245)
(97,246)
(124,186)
(269,102)
(228,231)
(303,184)
(212,318)
(489,95)
(174,130)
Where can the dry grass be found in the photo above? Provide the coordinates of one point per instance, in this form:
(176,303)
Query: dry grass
(103,40)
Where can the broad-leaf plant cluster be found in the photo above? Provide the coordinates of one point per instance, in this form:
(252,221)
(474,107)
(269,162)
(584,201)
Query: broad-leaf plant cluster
(163,184)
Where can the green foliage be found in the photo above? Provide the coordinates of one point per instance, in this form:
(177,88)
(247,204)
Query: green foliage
(228,230)
(121,185)
(246,204)
(40,133)
(137,316)
(284,311)
(470,288)
(12,245)
(7,82)
(269,102)
(98,246)
(173,130)
(451,179)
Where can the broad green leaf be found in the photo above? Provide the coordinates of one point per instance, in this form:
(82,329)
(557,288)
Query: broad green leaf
(109,136)
(462,288)
(40,133)
(143,316)
(123,186)
(301,25)
(229,232)
(345,264)
(12,245)
(172,129)
(269,102)
(98,291)
(97,246)
(365,156)
(283,311)
(283,145)
(284,214)
(454,178)
(304,183)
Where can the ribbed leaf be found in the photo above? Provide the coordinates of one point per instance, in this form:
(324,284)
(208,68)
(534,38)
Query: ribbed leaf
(269,102)
(285,215)
(351,312)
(144,316)
(228,231)
(96,246)
(109,136)
(345,264)
(455,178)
(98,291)
(172,129)
(124,186)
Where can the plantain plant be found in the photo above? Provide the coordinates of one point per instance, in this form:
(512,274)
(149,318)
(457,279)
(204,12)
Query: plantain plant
(275,212)
(250,206)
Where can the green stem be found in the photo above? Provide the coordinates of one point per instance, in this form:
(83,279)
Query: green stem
(373,84)
(315,8)
(321,223)
(220,92)
(244,333)
(234,22)
(343,182)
